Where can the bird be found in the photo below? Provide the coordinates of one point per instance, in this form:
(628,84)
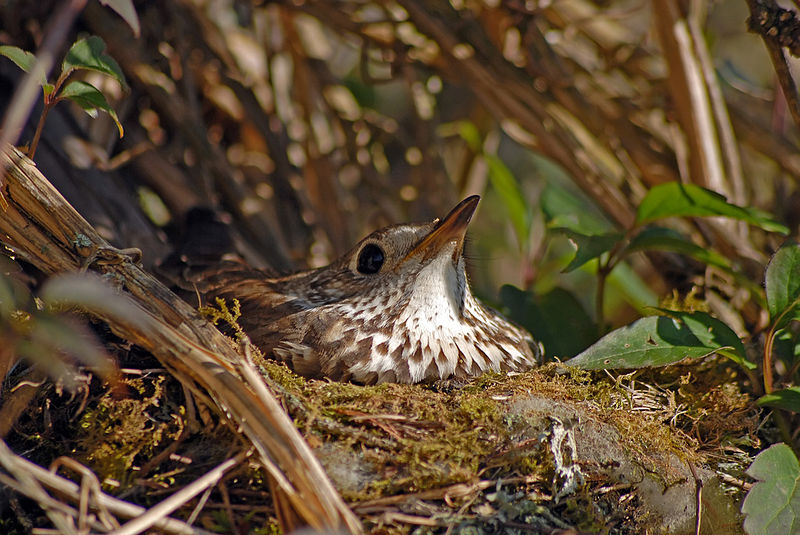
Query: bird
(396,308)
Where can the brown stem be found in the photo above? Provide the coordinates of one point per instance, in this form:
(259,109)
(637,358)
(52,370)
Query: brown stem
(767,362)
(49,103)
(780,420)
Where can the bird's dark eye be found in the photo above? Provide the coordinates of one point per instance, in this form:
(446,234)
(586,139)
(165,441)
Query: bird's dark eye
(370,259)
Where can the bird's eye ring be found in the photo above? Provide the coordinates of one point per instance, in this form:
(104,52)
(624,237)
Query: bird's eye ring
(370,259)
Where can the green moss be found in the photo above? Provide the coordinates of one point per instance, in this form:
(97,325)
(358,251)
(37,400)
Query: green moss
(115,432)
(222,313)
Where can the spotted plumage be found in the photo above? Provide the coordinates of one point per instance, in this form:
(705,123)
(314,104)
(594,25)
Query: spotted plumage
(396,308)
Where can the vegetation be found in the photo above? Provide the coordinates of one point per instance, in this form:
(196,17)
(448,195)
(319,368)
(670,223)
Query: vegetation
(638,167)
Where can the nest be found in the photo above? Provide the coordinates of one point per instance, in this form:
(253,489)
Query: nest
(240,443)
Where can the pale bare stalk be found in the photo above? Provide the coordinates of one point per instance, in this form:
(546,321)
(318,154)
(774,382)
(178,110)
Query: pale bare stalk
(155,514)
(42,477)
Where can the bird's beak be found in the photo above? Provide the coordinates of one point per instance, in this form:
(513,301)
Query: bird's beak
(451,229)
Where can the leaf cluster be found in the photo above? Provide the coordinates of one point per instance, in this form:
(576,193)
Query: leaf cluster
(84,55)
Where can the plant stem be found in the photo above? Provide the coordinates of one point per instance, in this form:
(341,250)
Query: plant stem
(50,100)
(767,361)
(39,128)
(777,415)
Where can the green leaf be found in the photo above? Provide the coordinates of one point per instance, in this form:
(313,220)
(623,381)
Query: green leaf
(90,99)
(782,282)
(674,199)
(469,133)
(714,333)
(24,60)
(589,246)
(659,341)
(88,54)
(788,398)
(773,504)
(548,316)
(507,187)
(125,9)
(665,239)
(566,209)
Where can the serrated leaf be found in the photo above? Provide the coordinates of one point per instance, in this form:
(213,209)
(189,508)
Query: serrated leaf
(659,341)
(665,239)
(548,316)
(506,185)
(23,59)
(782,280)
(788,398)
(773,504)
(90,99)
(125,9)
(89,54)
(588,247)
(674,199)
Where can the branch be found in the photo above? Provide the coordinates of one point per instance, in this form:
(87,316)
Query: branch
(778,28)
(44,229)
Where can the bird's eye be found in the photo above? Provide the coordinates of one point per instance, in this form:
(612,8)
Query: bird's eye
(370,259)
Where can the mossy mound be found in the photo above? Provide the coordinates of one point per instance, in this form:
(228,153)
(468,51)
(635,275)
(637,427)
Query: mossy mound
(549,447)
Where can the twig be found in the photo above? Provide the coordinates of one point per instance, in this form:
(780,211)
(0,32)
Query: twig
(730,480)
(155,514)
(453,491)
(226,500)
(201,503)
(25,481)
(698,484)
(404,518)
(35,476)
(774,24)
(89,486)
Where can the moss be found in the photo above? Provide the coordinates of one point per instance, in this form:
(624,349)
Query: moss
(115,432)
(271,528)
(222,314)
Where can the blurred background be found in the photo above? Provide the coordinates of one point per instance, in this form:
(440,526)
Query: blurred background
(309,123)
